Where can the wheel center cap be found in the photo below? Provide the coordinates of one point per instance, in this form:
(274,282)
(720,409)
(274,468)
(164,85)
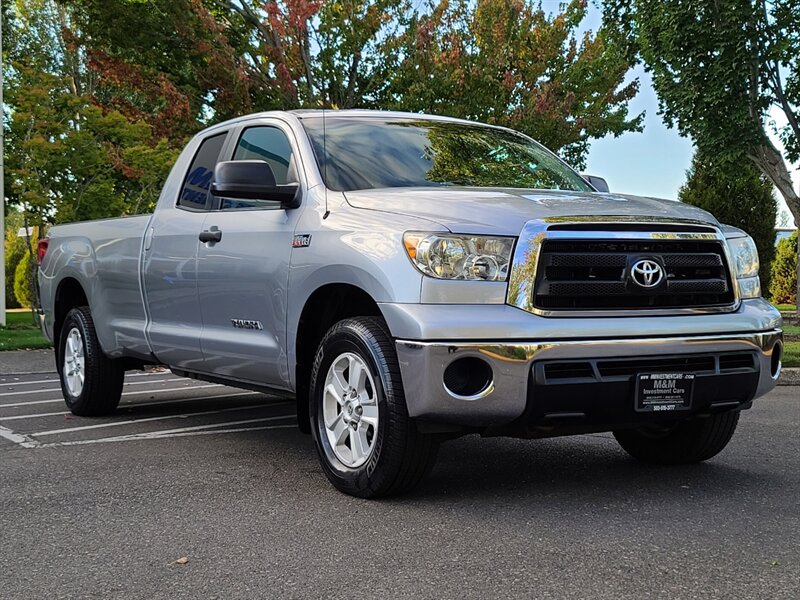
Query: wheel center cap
(352,409)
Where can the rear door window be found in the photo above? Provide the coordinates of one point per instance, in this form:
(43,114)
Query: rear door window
(194,194)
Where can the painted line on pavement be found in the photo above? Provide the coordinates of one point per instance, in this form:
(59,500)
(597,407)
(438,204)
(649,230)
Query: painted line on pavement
(160,437)
(188,387)
(15,393)
(148,419)
(134,405)
(56,379)
(18,438)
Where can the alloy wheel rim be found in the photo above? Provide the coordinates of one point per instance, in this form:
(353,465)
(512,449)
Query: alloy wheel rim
(74,364)
(350,410)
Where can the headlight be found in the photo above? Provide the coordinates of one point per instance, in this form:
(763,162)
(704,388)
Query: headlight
(447,256)
(745,256)
(745,265)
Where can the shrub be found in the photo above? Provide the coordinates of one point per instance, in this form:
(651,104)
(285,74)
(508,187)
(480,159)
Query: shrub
(24,287)
(15,250)
(783,285)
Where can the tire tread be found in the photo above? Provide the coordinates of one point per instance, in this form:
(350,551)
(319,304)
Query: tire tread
(104,376)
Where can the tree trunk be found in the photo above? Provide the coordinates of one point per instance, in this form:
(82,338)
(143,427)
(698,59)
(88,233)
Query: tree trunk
(769,160)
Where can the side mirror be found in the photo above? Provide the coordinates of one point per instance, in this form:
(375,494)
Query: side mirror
(252,180)
(596,182)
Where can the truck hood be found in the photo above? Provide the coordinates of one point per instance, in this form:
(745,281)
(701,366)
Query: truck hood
(504,211)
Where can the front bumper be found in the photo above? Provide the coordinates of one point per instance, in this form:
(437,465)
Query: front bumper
(520,390)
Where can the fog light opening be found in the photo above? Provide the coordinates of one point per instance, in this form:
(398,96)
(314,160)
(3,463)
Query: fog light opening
(775,362)
(468,378)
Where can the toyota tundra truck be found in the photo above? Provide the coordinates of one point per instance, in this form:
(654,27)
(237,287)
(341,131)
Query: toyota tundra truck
(408,279)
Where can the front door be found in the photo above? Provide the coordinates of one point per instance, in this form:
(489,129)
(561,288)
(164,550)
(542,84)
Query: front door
(242,278)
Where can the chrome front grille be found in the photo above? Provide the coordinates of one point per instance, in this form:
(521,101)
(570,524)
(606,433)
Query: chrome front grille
(590,268)
(596,275)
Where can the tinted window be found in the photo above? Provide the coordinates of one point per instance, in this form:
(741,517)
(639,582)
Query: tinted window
(198,180)
(271,145)
(367,153)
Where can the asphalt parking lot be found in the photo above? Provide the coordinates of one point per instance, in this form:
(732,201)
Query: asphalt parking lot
(103,508)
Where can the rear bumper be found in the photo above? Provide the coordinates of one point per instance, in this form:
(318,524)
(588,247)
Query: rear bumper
(521,390)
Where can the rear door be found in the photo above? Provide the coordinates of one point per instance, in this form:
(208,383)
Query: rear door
(170,261)
(242,278)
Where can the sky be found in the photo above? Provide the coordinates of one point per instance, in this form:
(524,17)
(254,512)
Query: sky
(650,163)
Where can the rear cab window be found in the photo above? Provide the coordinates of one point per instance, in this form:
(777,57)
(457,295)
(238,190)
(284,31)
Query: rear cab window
(195,191)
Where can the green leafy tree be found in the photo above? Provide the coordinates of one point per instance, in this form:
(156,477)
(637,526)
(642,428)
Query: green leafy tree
(741,197)
(68,156)
(719,69)
(510,63)
(783,286)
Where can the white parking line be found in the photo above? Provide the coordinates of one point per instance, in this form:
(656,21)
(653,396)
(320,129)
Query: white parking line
(148,419)
(15,393)
(18,438)
(134,405)
(159,437)
(187,387)
(4,383)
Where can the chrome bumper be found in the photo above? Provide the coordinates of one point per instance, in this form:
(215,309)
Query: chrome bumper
(423,364)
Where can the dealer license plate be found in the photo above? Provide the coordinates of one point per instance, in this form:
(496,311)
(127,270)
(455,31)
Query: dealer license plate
(664,392)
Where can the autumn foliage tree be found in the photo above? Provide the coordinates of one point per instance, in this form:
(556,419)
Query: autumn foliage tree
(103,94)
(510,63)
(68,156)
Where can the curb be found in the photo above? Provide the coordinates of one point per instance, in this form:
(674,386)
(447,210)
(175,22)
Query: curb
(23,362)
(790,376)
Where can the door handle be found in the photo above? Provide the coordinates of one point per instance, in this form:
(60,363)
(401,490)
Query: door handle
(211,235)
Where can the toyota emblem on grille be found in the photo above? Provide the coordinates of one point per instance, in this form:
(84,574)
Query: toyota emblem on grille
(647,273)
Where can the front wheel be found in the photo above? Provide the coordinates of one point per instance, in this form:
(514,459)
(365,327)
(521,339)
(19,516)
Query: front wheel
(90,381)
(367,444)
(688,442)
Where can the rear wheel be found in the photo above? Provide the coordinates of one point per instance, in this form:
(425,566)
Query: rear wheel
(367,444)
(688,442)
(90,381)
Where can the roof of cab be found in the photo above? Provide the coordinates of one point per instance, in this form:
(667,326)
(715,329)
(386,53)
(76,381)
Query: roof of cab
(305,113)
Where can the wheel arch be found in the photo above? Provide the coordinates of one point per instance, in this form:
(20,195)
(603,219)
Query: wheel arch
(327,305)
(69,294)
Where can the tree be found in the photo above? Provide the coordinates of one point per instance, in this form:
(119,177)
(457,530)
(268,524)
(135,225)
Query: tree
(67,156)
(719,68)
(510,63)
(170,63)
(783,287)
(754,209)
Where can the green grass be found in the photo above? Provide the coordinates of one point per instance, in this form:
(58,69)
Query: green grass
(791,354)
(21,333)
(786,307)
(791,329)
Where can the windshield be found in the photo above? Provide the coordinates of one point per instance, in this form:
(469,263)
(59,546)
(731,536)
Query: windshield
(369,153)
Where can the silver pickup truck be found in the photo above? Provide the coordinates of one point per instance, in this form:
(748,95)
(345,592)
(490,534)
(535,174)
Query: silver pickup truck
(412,278)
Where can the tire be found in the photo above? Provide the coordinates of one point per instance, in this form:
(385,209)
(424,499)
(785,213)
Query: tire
(79,351)
(396,456)
(688,442)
